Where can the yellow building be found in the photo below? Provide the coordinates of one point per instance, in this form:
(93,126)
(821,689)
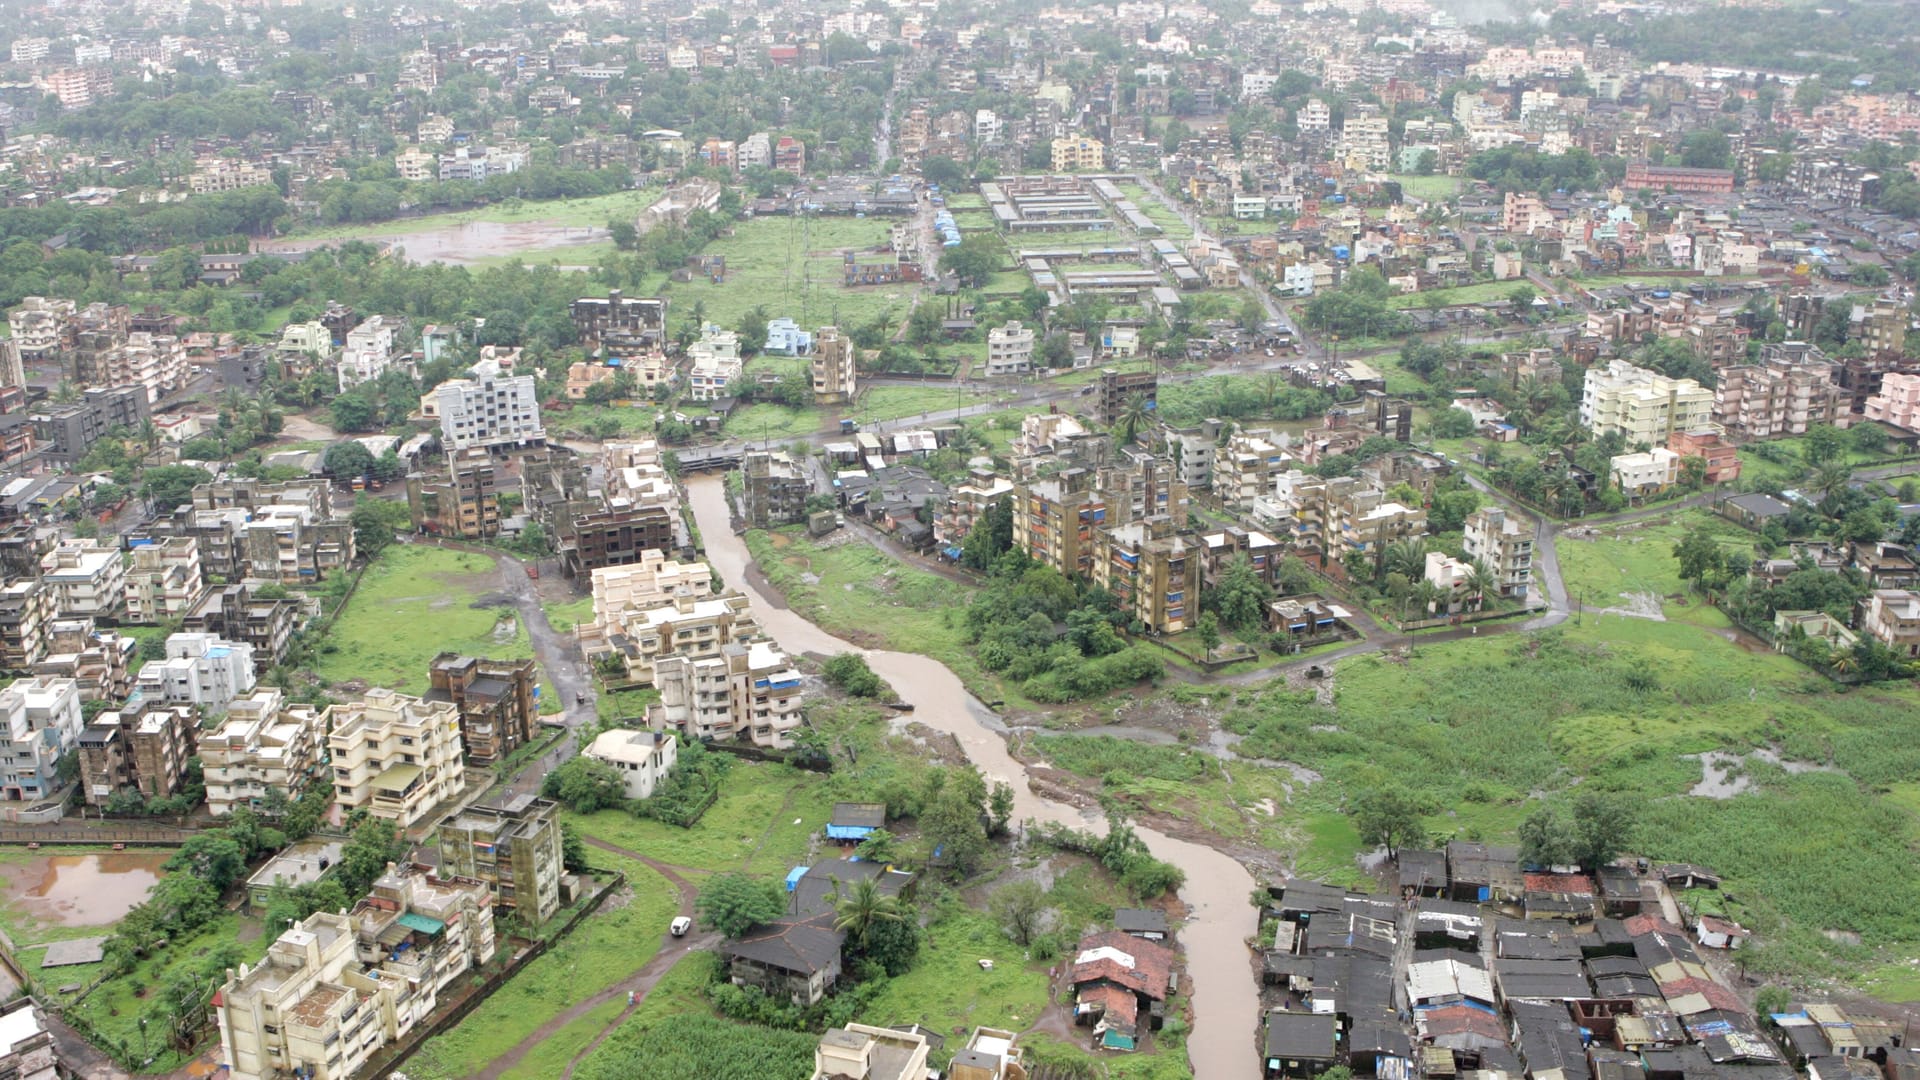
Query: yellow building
(1645,406)
(396,755)
(1079,153)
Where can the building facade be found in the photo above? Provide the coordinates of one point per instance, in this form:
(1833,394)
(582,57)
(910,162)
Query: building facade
(514,846)
(395,755)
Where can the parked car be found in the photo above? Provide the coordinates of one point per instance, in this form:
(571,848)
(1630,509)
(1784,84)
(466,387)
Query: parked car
(680,926)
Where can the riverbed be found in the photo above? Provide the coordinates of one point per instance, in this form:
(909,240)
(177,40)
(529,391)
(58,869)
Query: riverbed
(1226,996)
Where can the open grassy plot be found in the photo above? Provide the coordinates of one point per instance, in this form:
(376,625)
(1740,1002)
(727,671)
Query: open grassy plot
(751,827)
(1429,188)
(1465,294)
(1632,567)
(589,212)
(584,420)
(566,617)
(899,402)
(671,1048)
(378,638)
(763,421)
(550,1056)
(792,267)
(948,990)
(607,947)
(115,1009)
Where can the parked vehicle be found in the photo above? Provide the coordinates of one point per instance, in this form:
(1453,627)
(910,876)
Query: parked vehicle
(680,926)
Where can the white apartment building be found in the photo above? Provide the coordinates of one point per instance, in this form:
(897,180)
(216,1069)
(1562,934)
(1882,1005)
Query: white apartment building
(39,325)
(200,669)
(154,362)
(1244,470)
(369,351)
(265,744)
(715,364)
(642,756)
(1505,545)
(489,412)
(305,339)
(396,755)
(1645,406)
(31,50)
(87,577)
(1454,579)
(749,691)
(416,165)
(163,580)
(1009,350)
(691,626)
(40,722)
(1639,475)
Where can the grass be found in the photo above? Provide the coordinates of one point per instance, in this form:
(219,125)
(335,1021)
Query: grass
(566,617)
(550,1056)
(606,948)
(1465,294)
(115,1012)
(752,826)
(947,990)
(762,421)
(897,402)
(579,419)
(1429,188)
(595,211)
(1637,558)
(792,267)
(377,637)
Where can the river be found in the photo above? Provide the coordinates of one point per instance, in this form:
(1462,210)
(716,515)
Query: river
(1226,997)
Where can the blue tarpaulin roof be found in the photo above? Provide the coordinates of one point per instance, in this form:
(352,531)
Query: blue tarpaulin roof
(426,924)
(794,875)
(847,832)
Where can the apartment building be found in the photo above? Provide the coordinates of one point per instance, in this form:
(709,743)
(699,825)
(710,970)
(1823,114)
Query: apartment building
(396,755)
(202,670)
(621,323)
(594,524)
(266,743)
(334,989)
(774,489)
(68,431)
(642,756)
(495,700)
(514,846)
(416,165)
(282,533)
(1789,390)
(1459,589)
(42,326)
(966,503)
(1244,469)
(834,380)
(1362,519)
(1708,444)
(156,364)
(746,690)
(142,748)
(1055,521)
(1505,545)
(464,504)
(1195,452)
(1117,388)
(1898,402)
(26,615)
(87,578)
(238,613)
(163,580)
(1009,350)
(486,413)
(1892,616)
(1078,153)
(1640,475)
(697,627)
(1642,405)
(98,660)
(1879,326)
(40,722)
(714,364)
(369,351)
(1154,571)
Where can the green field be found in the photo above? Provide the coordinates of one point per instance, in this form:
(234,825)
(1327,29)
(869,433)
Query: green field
(766,422)
(750,828)
(792,267)
(117,1008)
(1429,188)
(594,212)
(1465,294)
(1636,559)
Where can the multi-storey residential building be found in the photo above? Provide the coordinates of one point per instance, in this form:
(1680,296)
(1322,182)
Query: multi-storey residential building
(39,723)
(495,699)
(87,578)
(1362,519)
(395,755)
(621,593)
(28,1051)
(368,352)
(489,412)
(1117,388)
(592,526)
(200,670)
(1788,391)
(303,345)
(99,661)
(1898,402)
(1879,326)
(514,846)
(715,364)
(1640,475)
(1054,521)
(416,165)
(1009,350)
(774,489)
(697,627)
(145,749)
(265,744)
(967,503)
(1643,406)
(1642,176)
(747,690)
(282,533)
(1709,445)
(1892,616)
(1505,545)
(465,504)
(1078,153)
(1195,451)
(26,613)
(643,757)
(31,50)
(68,431)
(238,613)
(620,323)
(1153,571)
(1244,469)
(42,326)
(334,989)
(833,367)
(1364,138)
(164,580)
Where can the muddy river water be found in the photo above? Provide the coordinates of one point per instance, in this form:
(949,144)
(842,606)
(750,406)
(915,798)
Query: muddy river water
(1225,996)
(82,890)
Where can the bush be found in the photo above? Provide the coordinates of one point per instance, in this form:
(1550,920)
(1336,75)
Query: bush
(849,672)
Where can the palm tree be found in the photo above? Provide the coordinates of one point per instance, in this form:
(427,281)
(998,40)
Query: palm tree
(1479,577)
(1406,557)
(856,911)
(1133,416)
(1428,594)
(1829,480)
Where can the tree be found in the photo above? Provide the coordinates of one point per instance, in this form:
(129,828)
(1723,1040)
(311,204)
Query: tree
(1823,443)
(858,909)
(1693,473)
(849,672)
(1547,838)
(1389,817)
(877,847)
(1021,909)
(1209,631)
(182,903)
(375,523)
(735,903)
(942,172)
(753,332)
(623,234)
(1241,596)
(1702,561)
(1601,825)
(354,412)
(170,486)
(585,784)
(953,829)
(213,857)
(345,460)
(1454,423)
(1134,415)
(972,260)
(373,845)
(1000,808)
(1772,999)
(1706,148)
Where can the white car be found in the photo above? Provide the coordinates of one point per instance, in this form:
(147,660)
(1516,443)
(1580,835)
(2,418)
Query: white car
(680,926)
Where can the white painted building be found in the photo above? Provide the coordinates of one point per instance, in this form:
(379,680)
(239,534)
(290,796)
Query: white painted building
(369,351)
(643,757)
(40,722)
(200,669)
(489,412)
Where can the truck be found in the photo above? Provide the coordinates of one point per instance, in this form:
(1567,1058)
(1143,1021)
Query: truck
(848,427)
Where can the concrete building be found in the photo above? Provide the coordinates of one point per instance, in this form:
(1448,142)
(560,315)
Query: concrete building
(774,489)
(1708,444)
(87,577)
(27,1050)
(496,700)
(693,627)
(1009,350)
(714,364)
(1505,545)
(863,1052)
(1879,325)
(834,379)
(144,749)
(514,846)
(163,581)
(395,755)
(239,613)
(643,757)
(745,690)
(334,989)
(283,533)
(1892,616)
(39,723)
(1643,406)
(1117,388)
(369,351)
(41,326)
(1078,153)
(1153,571)
(464,504)
(489,412)
(67,432)
(785,338)
(98,660)
(1788,391)
(594,523)
(26,615)
(1640,475)
(1245,468)
(202,670)
(1459,590)
(265,744)
(1898,402)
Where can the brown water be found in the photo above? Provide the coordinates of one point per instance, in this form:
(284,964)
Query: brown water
(82,890)
(1225,995)
(473,241)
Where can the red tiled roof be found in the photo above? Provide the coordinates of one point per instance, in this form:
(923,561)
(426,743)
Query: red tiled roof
(1650,924)
(1462,1020)
(1574,884)
(1717,995)
(1152,963)
(1121,1008)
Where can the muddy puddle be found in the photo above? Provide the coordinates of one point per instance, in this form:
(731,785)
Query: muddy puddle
(82,890)
(474,241)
